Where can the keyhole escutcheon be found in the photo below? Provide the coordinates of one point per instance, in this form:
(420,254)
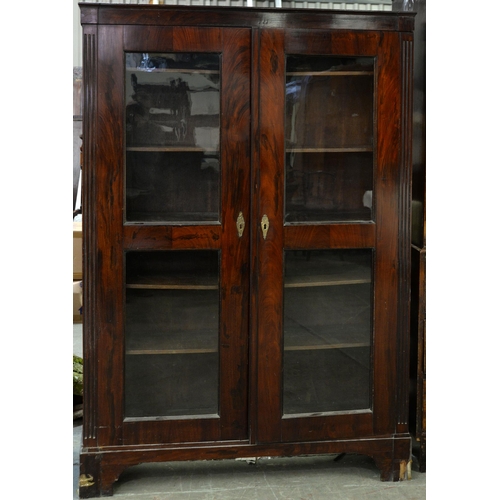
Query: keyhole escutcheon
(264,224)
(240,224)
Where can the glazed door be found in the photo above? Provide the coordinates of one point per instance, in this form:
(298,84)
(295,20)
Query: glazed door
(178,363)
(328,205)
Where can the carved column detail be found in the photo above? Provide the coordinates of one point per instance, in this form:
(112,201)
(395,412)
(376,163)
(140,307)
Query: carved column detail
(89,233)
(405,231)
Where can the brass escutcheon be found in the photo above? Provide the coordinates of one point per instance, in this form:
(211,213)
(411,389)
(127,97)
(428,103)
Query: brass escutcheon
(240,224)
(264,224)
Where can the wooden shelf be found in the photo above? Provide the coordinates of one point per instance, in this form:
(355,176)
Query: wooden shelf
(299,282)
(204,350)
(175,70)
(159,279)
(301,338)
(146,342)
(147,352)
(174,218)
(314,281)
(298,215)
(357,149)
(329,73)
(345,345)
(173,286)
(172,149)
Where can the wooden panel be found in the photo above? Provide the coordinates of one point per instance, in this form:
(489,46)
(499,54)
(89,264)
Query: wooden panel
(270,250)
(331,42)
(240,16)
(330,236)
(149,431)
(254,231)
(155,39)
(200,39)
(172,39)
(386,194)
(342,426)
(142,237)
(235,162)
(109,209)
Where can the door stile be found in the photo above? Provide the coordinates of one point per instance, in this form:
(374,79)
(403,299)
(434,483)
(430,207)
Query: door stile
(254,236)
(387,216)
(235,161)
(270,248)
(109,209)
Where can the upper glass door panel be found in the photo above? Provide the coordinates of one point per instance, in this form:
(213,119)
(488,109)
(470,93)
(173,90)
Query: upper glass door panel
(329,138)
(172,119)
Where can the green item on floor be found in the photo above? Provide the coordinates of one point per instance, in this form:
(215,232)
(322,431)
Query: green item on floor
(77,376)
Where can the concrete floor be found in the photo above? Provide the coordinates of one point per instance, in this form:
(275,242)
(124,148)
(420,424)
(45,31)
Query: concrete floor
(353,477)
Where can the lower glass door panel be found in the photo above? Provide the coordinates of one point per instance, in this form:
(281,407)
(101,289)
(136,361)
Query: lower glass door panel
(171,334)
(171,385)
(327,331)
(326,380)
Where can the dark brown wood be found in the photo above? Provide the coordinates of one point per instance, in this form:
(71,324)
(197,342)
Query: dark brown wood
(230,16)
(417,414)
(138,237)
(385,451)
(270,250)
(109,208)
(330,236)
(254,239)
(417,401)
(387,252)
(89,243)
(235,161)
(405,226)
(253,44)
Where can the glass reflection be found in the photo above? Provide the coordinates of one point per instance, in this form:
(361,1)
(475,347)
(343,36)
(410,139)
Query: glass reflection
(171,333)
(327,330)
(172,122)
(329,138)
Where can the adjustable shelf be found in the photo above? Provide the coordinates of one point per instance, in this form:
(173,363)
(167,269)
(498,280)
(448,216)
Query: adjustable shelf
(329,73)
(175,70)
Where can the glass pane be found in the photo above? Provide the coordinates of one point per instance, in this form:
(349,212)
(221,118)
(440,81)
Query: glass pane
(171,333)
(172,126)
(327,330)
(329,138)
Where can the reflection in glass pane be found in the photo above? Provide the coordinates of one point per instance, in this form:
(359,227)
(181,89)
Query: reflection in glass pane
(329,138)
(172,123)
(327,330)
(171,333)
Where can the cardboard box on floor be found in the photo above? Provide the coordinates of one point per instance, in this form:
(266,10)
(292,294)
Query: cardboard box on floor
(77,251)
(77,301)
